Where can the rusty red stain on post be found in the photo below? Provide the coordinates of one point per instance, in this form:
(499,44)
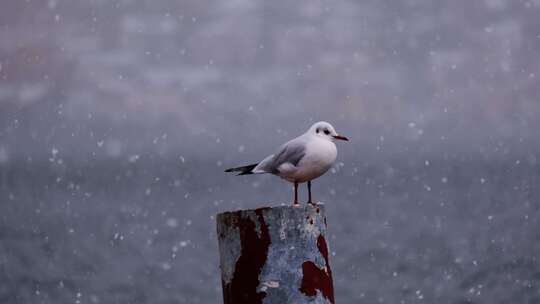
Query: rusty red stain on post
(314,278)
(254,251)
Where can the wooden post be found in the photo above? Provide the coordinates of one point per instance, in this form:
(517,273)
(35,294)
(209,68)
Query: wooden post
(275,255)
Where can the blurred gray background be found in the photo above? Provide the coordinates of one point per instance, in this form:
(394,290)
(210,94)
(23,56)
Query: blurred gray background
(117,119)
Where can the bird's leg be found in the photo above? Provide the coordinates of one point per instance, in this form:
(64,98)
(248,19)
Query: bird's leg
(296,193)
(309,193)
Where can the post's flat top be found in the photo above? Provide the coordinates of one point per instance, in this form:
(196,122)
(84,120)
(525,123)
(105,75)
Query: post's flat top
(319,205)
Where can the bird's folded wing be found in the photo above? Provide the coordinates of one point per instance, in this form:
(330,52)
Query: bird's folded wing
(291,152)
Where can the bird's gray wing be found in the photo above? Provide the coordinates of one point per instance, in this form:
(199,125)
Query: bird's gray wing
(291,152)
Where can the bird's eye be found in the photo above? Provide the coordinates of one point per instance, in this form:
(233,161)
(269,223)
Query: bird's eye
(326,132)
(317,131)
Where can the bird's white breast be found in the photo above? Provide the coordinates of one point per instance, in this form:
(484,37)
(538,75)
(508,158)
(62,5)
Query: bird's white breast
(320,155)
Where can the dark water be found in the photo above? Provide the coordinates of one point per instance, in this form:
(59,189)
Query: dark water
(143,232)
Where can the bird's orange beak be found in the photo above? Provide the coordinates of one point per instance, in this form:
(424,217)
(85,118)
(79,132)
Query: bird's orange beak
(341,137)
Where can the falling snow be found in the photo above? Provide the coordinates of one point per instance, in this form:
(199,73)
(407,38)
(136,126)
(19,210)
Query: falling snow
(119,117)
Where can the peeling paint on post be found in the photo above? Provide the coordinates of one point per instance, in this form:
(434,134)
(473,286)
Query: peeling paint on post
(275,255)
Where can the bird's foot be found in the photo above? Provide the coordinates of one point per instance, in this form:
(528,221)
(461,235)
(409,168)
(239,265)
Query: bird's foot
(312,203)
(296,204)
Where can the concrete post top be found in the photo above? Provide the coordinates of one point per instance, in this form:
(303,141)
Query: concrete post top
(298,207)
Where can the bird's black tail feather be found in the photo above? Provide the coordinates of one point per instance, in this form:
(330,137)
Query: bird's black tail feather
(243,170)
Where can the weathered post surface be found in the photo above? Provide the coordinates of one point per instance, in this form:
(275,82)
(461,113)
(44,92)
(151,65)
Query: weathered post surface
(275,255)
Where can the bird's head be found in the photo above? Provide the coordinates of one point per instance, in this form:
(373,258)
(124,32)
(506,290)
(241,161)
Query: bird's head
(325,130)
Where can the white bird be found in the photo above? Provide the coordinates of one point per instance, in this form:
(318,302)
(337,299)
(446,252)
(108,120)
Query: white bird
(302,159)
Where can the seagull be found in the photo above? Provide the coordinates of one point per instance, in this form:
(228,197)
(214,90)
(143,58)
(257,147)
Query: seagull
(302,159)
